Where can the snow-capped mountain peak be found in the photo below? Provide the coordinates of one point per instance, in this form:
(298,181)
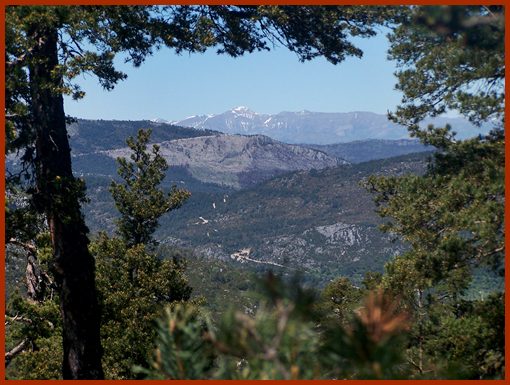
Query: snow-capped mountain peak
(160,120)
(241,109)
(316,127)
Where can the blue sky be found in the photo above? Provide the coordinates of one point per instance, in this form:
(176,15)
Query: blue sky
(173,87)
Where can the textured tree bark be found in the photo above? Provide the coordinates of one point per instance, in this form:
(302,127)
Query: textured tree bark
(37,281)
(57,195)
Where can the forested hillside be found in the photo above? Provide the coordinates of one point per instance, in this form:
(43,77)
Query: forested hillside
(91,136)
(321,223)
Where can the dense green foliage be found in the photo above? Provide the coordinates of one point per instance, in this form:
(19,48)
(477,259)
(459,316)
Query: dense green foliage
(38,327)
(134,283)
(284,339)
(450,58)
(137,198)
(33,319)
(452,217)
(338,300)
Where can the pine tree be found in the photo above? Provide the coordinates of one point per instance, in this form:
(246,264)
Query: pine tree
(453,216)
(134,281)
(138,198)
(134,285)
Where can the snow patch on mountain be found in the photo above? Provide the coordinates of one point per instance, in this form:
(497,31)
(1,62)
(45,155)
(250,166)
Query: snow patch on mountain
(318,127)
(160,120)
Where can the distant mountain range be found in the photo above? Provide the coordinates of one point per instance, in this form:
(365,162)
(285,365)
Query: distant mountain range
(316,127)
(207,160)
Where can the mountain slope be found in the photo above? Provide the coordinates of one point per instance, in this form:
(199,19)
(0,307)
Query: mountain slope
(237,161)
(320,222)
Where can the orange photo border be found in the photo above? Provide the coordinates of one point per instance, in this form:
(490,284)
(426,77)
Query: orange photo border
(246,2)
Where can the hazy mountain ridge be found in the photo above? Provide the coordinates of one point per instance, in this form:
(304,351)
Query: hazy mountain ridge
(365,150)
(317,127)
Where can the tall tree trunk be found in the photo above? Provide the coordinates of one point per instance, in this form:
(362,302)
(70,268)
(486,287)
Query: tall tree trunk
(58,195)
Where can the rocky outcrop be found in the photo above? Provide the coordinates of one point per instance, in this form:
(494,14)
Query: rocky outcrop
(238,161)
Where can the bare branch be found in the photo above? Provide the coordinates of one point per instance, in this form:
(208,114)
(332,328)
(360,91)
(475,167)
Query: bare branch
(16,350)
(16,318)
